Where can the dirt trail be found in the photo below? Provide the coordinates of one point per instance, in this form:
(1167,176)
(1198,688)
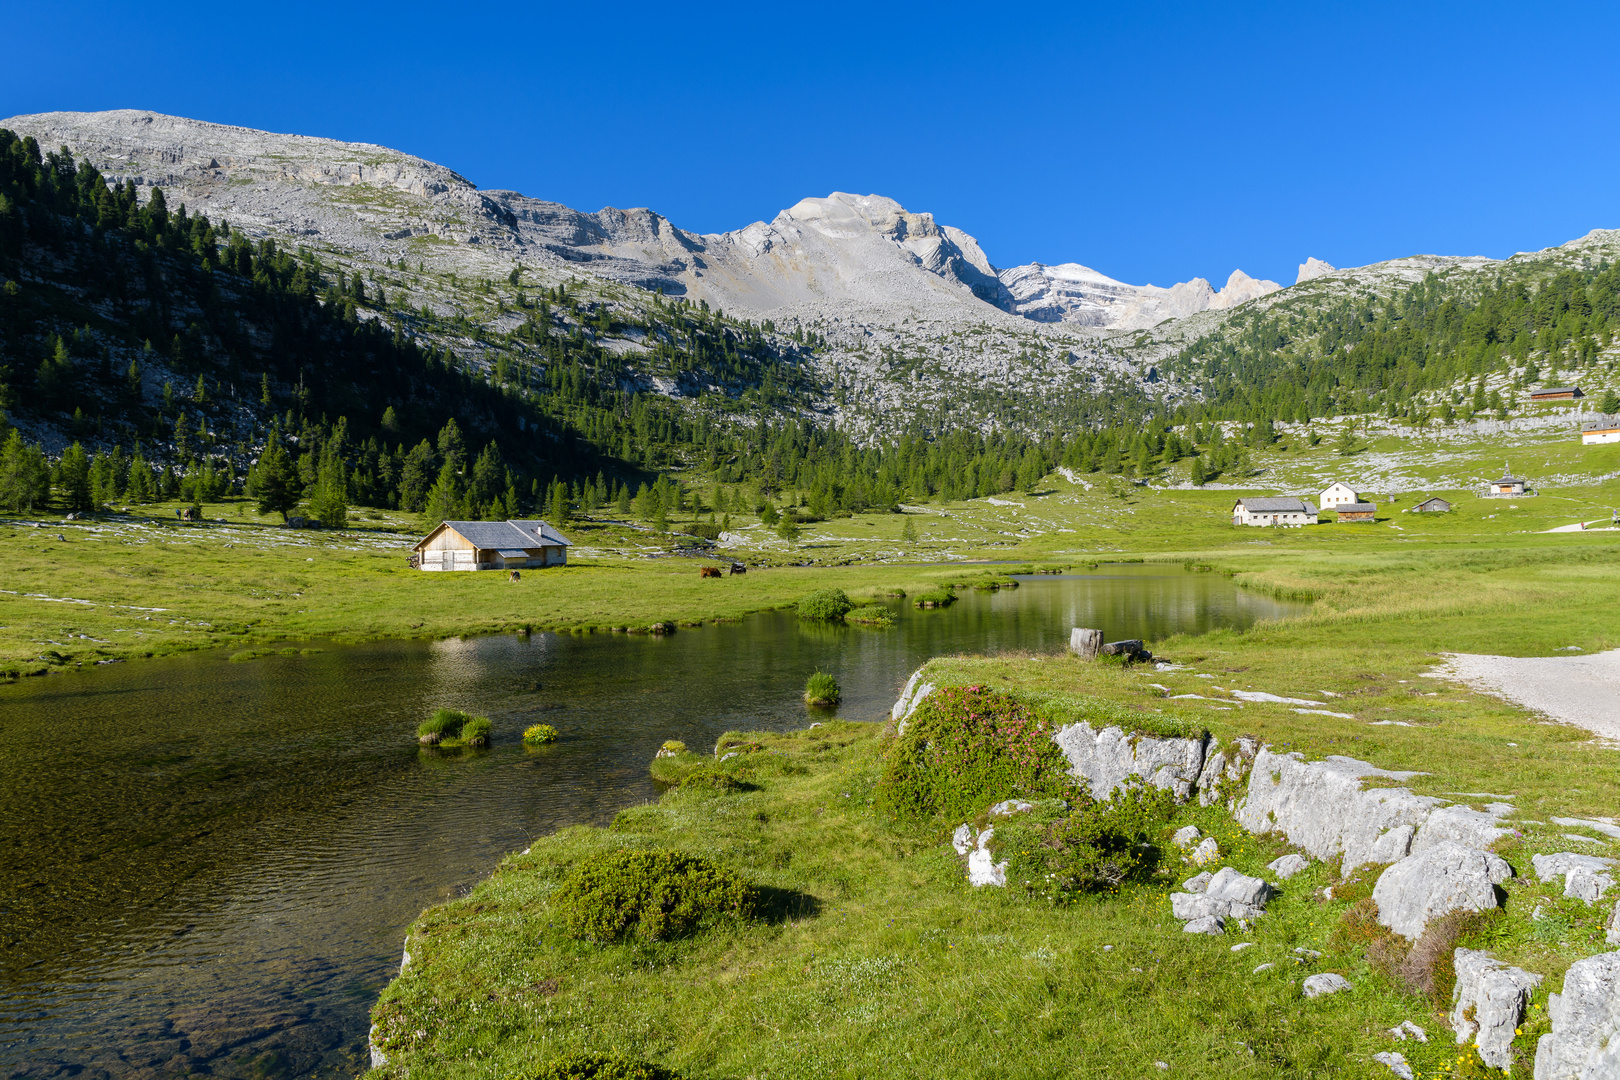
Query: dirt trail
(1582,690)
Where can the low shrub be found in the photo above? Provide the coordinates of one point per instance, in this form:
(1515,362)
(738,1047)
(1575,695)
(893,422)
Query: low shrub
(870,615)
(825,605)
(821,689)
(653,895)
(539,735)
(599,1067)
(1098,847)
(967,747)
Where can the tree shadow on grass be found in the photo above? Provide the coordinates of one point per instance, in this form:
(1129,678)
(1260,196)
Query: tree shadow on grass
(780,905)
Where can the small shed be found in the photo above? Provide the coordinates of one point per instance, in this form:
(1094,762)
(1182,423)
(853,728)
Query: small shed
(1507,485)
(491,545)
(1435,505)
(1358,511)
(1557,393)
(1337,494)
(1286,510)
(1602,429)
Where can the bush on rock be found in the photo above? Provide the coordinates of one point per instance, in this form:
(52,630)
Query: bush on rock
(653,895)
(1097,847)
(965,748)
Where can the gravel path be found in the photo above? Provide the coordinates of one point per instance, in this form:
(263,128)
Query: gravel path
(1581,690)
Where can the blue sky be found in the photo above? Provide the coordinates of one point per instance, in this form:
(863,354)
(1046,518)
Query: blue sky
(1153,142)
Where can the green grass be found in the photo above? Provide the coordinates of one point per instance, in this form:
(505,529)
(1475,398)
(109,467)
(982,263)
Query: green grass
(821,689)
(539,735)
(870,615)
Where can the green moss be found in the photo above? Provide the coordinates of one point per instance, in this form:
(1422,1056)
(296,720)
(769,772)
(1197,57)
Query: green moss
(654,895)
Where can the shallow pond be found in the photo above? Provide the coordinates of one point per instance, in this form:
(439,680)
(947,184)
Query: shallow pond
(211,865)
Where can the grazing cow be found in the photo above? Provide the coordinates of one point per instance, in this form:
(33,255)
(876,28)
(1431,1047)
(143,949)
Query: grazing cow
(709,571)
(738,568)
(515,576)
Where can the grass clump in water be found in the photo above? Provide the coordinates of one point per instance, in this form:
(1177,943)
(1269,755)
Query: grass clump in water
(603,1067)
(825,605)
(870,615)
(539,735)
(935,598)
(449,728)
(652,895)
(821,689)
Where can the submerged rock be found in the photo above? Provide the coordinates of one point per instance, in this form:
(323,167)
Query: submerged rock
(1446,877)
(1488,1004)
(1584,1043)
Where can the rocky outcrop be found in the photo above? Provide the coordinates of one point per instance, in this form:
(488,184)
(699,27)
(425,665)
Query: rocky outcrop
(1611,931)
(1226,771)
(1586,877)
(1213,899)
(1322,807)
(1107,758)
(974,844)
(1462,825)
(1488,1003)
(1443,878)
(1311,269)
(1071,293)
(1327,983)
(910,697)
(1584,1043)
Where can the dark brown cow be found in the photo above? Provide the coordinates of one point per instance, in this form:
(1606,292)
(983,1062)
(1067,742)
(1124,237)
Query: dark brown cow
(738,568)
(709,571)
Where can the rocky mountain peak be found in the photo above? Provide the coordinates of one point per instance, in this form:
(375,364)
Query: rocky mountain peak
(1313,268)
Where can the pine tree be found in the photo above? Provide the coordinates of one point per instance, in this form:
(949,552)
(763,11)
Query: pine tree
(443,498)
(141,486)
(25,478)
(274,479)
(1195,471)
(557,503)
(329,498)
(73,479)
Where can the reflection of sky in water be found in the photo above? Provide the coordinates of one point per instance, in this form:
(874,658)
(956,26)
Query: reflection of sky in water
(229,853)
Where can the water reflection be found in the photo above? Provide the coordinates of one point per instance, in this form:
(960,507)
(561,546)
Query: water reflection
(210,865)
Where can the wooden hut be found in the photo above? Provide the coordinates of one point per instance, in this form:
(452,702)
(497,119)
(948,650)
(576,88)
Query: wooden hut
(491,545)
(1557,393)
(1435,505)
(1357,511)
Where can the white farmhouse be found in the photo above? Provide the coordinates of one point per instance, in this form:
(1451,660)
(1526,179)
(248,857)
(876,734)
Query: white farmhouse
(1337,494)
(1604,429)
(1273,511)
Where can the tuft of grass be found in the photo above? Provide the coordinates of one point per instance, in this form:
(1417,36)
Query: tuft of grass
(539,735)
(935,598)
(654,895)
(475,732)
(450,728)
(870,615)
(603,1067)
(821,689)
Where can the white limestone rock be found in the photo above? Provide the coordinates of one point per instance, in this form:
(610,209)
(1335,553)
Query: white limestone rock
(1488,1004)
(1327,983)
(1408,1030)
(1311,269)
(1471,828)
(1445,877)
(1611,932)
(1185,835)
(1584,1043)
(963,839)
(1321,806)
(982,868)
(1394,1060)
(1225,770)
(1207,851)
(1213,925)
(1198,882)
(1287,866)
(1107,758)
(1586,877)
(910,697)
(1225,893)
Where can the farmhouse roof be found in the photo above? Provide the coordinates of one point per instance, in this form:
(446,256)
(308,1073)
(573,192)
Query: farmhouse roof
(1283,505)
(1508,480)
(1602,423)
(510,538)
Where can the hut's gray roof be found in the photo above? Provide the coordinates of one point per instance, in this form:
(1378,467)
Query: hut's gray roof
(1434,498)
(1357,507)
(1602,423)
(1508,480)
(1556,390)
(1276,505)
(508,536)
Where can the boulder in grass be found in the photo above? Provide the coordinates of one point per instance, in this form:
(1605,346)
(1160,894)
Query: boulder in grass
(1584,1043)
(1586,877)
(1446,877)
(1328,983)
(1287,866)
(1395,1062)
(1489,1002)
(1206,924)
(1611,932)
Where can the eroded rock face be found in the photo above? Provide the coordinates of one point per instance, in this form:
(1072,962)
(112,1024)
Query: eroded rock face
(1611,933)
(1225,771)
(1584,1043)
(1446,877)
(910,697)
(1321,806)
(1488,1004)
(1473,828)
(1107,758)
